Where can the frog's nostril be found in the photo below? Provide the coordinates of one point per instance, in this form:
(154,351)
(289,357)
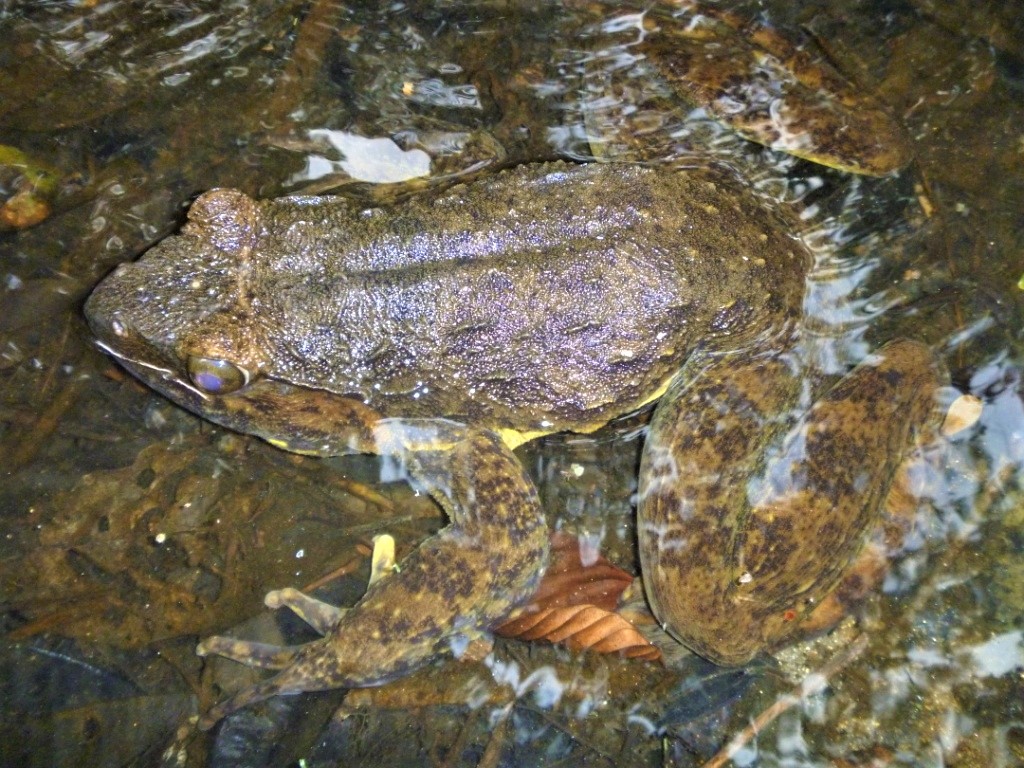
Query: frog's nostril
(118,327)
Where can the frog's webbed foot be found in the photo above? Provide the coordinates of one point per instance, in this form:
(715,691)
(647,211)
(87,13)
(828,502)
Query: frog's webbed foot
(324,617)
(321,616)
(258,655)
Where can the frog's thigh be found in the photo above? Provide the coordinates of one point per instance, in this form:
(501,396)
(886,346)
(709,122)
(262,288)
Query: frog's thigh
(862,579)
(493,554)
(738,527)
(866,573)
(470,472)
(823,494)
(706,442)
(839,465)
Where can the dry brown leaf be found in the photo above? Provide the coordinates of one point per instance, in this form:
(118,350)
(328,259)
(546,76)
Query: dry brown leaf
(575,605)
(569,582)
(582,627)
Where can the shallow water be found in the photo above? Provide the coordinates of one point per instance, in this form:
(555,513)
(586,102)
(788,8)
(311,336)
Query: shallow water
(130,528)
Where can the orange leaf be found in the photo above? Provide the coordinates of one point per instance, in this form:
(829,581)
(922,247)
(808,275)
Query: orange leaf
(569,582)
(582,627)
(575,605)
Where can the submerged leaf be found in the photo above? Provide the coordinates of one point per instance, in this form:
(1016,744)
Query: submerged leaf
(582,627)
(569,582)
(575,605)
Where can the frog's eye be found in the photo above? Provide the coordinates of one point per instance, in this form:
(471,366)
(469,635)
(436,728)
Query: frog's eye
(218,377)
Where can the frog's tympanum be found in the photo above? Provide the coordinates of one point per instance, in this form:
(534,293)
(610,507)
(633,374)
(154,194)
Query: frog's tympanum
(448,329)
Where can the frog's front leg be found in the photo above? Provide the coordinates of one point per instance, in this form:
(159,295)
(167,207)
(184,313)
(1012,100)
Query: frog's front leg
(448,592)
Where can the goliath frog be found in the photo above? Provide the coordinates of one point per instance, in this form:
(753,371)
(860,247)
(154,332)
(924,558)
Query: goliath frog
(447,330)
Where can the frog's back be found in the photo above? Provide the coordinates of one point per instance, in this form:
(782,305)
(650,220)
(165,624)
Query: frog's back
(577,304)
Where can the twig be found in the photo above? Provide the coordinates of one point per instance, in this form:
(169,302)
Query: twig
(810,685)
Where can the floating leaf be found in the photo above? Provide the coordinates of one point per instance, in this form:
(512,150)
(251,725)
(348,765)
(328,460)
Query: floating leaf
(963,413)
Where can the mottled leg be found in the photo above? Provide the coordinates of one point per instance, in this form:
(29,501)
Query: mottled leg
(447,593)
(734,562)
(321,616)
(706,447)
(472,573)
(839,471)
(250,695)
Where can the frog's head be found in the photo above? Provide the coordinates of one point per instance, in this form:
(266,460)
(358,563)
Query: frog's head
(181,317)
(185,319)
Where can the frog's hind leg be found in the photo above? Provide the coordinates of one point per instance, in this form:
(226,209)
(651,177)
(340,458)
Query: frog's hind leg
(748,533)
(257,655)
(449,591)
(324,617)
(321,616)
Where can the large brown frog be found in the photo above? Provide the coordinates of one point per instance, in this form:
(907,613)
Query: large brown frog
(449,329)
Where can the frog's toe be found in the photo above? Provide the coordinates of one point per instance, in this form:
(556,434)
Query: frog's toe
(276,598)
(321,616)
(259,655)
(382,562)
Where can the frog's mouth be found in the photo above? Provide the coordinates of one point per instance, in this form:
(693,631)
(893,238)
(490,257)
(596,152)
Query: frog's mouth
(158,377)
